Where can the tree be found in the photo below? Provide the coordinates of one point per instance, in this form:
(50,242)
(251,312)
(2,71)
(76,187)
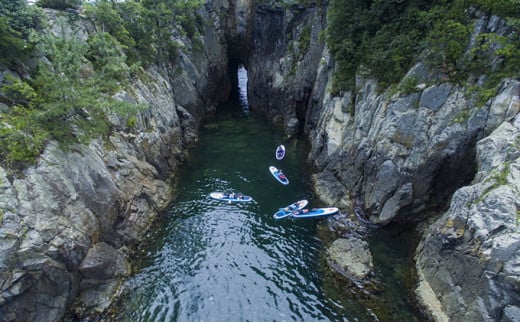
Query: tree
(19,24)
(106,16)
(106,55)
(59,4)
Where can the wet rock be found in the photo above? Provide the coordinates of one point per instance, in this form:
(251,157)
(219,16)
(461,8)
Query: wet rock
(386,182)
(291,128)
(351,257)
(401,198)
(332,192)
(101,271)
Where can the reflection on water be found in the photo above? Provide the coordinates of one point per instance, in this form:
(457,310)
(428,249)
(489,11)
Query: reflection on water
(242,87)
(214,261)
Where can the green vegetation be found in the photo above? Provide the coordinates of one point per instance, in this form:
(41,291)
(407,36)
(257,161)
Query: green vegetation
(59,4)
(66,100)
(462,117)
(69,94)
(408,85)
(19,27)
(305,39)
(145,28)
(498,178)
(385,38)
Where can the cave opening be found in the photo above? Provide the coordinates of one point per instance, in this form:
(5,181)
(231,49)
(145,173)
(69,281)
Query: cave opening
(455,171)
(239,83)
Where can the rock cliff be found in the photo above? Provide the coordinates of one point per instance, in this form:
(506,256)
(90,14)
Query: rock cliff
(282,67)
(405,155)
(468,260)
(67,222)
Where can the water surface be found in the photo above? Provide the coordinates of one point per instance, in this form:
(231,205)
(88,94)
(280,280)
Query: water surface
(214,261)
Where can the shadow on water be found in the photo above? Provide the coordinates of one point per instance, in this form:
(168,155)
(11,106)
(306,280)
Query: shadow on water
(214,261)
(388,296)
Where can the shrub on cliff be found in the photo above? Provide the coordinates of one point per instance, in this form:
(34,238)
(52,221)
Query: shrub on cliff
(67,98)
(146,28)
(69,95)
(59,4)
(19,26)
(386,38)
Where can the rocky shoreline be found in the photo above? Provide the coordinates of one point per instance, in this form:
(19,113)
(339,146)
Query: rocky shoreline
(68,222)
(405,157)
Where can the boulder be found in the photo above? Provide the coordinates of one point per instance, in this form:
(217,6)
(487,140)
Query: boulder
(351,257)
(103,262)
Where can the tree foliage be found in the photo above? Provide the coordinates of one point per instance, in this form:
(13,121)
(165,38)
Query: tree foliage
(146,28)
(387,36)
(19,25)
(69,96)
(59,4)
(67,99)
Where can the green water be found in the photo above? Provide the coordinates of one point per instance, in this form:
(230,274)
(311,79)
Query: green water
(214,261)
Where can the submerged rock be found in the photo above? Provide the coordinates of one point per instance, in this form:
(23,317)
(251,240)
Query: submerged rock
(351,257)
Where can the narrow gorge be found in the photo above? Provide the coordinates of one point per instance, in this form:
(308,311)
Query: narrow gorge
(430,157)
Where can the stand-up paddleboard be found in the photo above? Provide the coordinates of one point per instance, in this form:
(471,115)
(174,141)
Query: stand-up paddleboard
(286,211)
(279,175)
(314,213)
(230,197)
(280,152)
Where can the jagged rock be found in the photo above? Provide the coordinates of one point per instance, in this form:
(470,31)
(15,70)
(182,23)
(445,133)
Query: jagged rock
(398,154)
(103,262)
(291,128)
(64,221)
(101,271)
(470,256)
(511,314)
(334,194)
(403,154)
(435,96)
(281,76)
(420,143)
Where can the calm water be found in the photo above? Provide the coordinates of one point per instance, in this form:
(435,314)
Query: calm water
(213,261)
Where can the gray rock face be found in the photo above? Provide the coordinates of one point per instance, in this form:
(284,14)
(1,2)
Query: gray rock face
(402,155)
(470,256)
(351,257)
(282,68)
(66,223)
(435,96)
(402,152)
